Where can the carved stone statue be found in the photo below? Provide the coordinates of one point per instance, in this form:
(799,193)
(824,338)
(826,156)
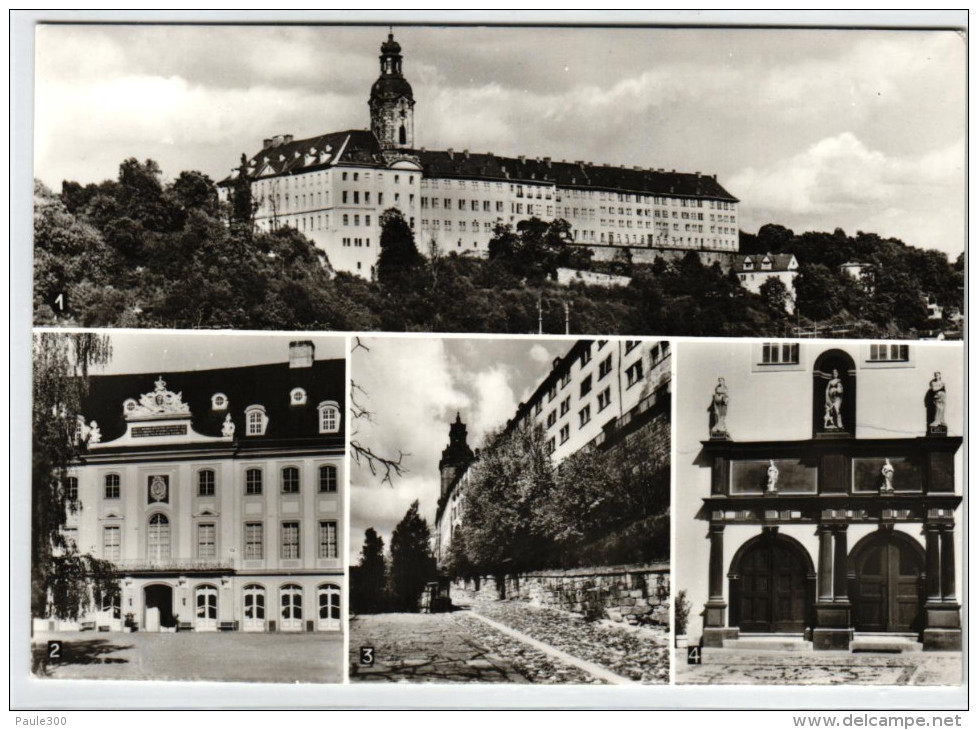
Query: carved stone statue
(834,391)
(887,472)
(94,433)
(718,409)
(937,394)
(772,477)
(227,428)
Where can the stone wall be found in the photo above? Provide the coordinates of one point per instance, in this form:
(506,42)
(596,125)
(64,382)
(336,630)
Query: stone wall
(634,594)
(647,255)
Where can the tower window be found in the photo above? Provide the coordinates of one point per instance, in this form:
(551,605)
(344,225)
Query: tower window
(402,135)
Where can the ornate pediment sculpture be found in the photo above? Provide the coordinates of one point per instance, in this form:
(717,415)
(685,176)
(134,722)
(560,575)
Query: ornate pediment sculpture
(159,403)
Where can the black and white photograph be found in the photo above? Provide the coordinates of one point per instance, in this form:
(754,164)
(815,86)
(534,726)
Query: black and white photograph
(818,513)
(510,511)
(555,180)
(188,494)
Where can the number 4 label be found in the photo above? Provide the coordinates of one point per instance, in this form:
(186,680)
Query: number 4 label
(693,655)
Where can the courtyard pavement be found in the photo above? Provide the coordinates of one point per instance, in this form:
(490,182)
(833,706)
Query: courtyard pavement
(222,657)
(821,668)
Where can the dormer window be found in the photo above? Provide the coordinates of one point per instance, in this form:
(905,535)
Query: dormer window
(329,417)
(256,420)
(748,264)
(219,402)
(297,397)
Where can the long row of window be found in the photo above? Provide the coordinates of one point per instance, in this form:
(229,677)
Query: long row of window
(158,540)
(207,483)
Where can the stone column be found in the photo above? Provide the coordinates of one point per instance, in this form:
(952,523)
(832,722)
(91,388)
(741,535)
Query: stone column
(840,570)
(716,562)
(947,564)
(824,563)
(715,629)
(932,533)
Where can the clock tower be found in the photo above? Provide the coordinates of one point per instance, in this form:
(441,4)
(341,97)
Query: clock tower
(392,101)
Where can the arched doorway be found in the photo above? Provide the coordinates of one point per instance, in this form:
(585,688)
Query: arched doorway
(158,607)
(254,608)
(887,590)
(291,600)
(329,608)
(771,586)
(205,600)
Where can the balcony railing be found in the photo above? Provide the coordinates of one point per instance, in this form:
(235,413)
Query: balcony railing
(173,564)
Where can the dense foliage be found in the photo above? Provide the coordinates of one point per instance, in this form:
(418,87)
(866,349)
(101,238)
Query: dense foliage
(412,562)
(139,252)
(64,581)
(368,580)
(596,508)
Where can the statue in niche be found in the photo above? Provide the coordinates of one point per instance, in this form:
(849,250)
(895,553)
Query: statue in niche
(94,433)
(936,402)
(718,409)
(834,391)
(227,428)
(887,472)
(772,477)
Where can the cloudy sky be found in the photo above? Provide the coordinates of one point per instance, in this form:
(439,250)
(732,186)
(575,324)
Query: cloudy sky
(413,388)
(814,129)
(155,352)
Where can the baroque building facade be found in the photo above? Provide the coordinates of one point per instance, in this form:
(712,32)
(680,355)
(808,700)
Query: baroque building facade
(826,483)
(596,394)
(334,188)
(218,496)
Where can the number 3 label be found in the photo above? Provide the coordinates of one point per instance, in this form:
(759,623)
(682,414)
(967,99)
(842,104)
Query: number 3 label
(367,656)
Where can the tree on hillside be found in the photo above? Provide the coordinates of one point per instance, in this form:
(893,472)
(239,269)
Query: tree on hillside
(775,294)
(63,579)
(508,484)
(535,249)
(243,205)
(367,593)
(412,562)
(399,255)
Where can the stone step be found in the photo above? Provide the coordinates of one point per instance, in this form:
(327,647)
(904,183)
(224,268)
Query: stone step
(892,643)
(771,642)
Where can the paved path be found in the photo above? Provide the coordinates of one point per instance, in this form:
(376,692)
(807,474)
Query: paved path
(821,668)
(632,654)
(228,657)
(449,647)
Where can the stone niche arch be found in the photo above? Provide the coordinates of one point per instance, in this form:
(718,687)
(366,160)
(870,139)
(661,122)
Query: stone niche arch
(834,395)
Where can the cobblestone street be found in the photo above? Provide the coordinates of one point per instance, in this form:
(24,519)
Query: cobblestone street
(460,647)
(822,668)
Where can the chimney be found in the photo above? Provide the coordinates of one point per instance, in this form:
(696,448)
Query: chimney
(301,354)
(556,362)
(697,173)
(466,153)
(451,153)
(522,159)
(547,161)
(422,149)
(266,143)
(288,139)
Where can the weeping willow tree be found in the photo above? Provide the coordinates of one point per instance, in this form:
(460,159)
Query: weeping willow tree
(64,582)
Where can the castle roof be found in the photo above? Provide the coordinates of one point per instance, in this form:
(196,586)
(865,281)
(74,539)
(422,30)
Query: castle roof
(269,386)
(285,156)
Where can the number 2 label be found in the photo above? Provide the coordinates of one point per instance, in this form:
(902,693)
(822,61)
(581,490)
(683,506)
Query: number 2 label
(54,651)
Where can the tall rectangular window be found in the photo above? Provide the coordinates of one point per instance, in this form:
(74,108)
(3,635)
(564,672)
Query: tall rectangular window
(254,541)
(604,368)
(564,433)
(634,373)
(206,541)
(111,542)
(112,483)
(586,386)
(604,399)
(253,481)
(290,541)
(327,479)
(585,415)
(327,539)
(205,483)
(290,480)
(71,489)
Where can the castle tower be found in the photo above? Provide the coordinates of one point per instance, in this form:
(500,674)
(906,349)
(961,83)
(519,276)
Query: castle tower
(456,456)
(392,101)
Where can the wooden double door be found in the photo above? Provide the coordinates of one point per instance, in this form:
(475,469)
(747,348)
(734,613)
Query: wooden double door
(887,594)
(773,589)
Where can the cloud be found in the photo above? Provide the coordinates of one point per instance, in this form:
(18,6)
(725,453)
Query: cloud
(841,182)
(538,353)
(494,402)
